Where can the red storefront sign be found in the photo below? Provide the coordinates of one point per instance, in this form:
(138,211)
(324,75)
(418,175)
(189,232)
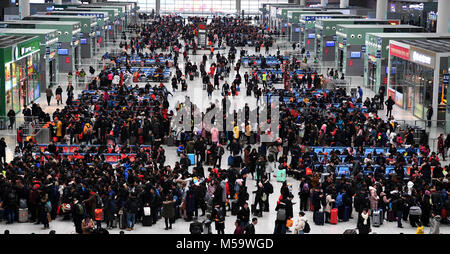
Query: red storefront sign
(399,51)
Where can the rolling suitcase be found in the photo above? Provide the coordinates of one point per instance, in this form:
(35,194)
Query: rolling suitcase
(319,218)
(122,220)
(23,215)
(281,175)
(147,219)
(334,216)
(346,215)
(191,157)
(350,232)
(376,218)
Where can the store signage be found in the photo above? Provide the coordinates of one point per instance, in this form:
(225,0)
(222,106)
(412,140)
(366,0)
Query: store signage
(75,43)
(47,50)
(341,45)
(372,58)
(363,48)
(344,41)
(59,45)
(446,78)
(24,51)
(399,51)
(421,58)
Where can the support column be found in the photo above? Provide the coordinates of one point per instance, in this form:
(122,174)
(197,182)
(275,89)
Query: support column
(158,7)
(57,1)
(302,2)
(343,4)
(381,9)
(24,8)
(443,16)
(324,3)
(238,7)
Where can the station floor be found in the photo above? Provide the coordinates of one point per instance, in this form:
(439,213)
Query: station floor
(265,223)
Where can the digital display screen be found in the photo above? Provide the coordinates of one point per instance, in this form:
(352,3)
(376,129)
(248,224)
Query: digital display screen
(355,54)
(393,70)
(63,51)
(297,30)
(329,43)
(311,36)
(109,27)
(83,41)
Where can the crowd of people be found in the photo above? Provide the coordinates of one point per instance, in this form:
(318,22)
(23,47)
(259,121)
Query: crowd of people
(116,116)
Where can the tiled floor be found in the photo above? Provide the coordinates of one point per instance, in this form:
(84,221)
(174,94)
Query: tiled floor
(266,223)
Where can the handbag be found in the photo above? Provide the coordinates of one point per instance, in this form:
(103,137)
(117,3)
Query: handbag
(289,223)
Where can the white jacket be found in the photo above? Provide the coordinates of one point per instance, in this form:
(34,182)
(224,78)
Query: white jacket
(300,224)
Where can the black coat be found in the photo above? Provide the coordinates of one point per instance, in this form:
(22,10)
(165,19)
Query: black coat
(363,229)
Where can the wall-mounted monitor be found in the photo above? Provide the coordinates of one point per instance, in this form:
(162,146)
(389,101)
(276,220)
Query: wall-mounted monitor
(63,51)
(329,43)
(354,54)
(311,36)
(83,41)
(297,30)
(109,27)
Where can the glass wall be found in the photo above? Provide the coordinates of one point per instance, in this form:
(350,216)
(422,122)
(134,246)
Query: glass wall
(204,6)
(198,6)
(413,84)
(252,6)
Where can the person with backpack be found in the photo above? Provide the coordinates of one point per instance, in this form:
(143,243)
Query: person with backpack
(304,194)
(302,225)
(77,215)
(267,190)
(280,222)
(219,218)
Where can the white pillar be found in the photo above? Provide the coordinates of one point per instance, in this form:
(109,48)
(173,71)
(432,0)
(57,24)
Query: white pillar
(343,4)
(302,2)
(443,15)
(238,7)
(324,2)
(24,8)
(57,1)
(381,9)
(158,7)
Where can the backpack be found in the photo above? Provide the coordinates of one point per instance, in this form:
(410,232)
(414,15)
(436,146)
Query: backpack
(281,215)
(307,228)
(339,201)
(305,188)
(48,206)
(80,209)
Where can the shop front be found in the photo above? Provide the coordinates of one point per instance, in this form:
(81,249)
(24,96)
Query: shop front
(20,76)
(308,27)
(87,48)
(351,48)
(419,13)
(99,34)
(420,79)
(293,18)
(68,52)
(115,20)
(325,47)
(48,40)
(377,68)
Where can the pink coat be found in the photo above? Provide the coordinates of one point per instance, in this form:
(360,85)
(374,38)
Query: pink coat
(214,135)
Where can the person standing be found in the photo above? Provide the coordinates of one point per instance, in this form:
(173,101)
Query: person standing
(389,104)
(381,93)
(82,77)
(441,146)
(58,95)
(20,138)
(429,115)
(300,225)
(168,211)
(49,93)
(12,118)
(219,218)
(3,151)
(364,222)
